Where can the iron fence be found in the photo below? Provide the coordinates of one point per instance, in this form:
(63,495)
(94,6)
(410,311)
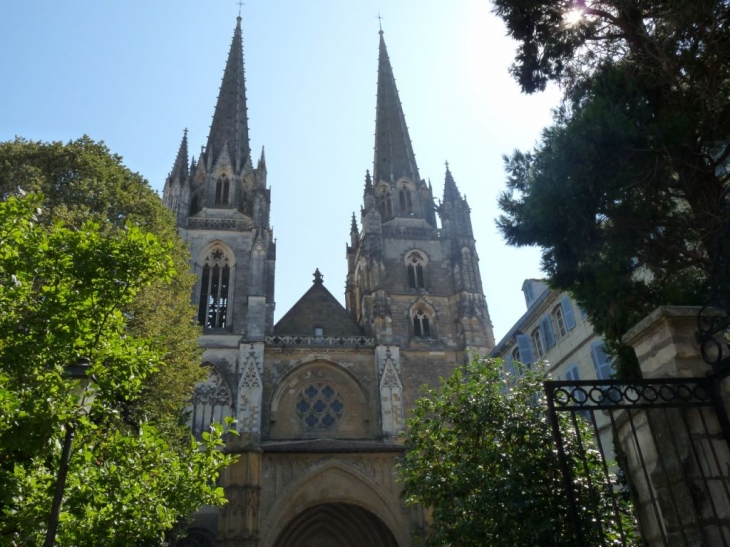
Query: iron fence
(644,462)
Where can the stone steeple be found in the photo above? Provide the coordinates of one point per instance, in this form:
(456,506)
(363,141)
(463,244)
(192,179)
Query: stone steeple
(394,157)
(229,129)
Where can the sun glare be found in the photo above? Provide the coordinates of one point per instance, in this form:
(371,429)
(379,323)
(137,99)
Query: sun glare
(573,17)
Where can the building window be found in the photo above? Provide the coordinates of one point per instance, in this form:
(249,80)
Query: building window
(211,402)
(318,331)
(469,269)
(415,264)
(385,203)
(222,189)
(537,343)
(319,406)
(516,355)
(404,199)
(421,325)
(194,205)
(214,290)
(560,320)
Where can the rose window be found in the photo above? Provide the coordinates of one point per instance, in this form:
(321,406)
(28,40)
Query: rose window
(319,406)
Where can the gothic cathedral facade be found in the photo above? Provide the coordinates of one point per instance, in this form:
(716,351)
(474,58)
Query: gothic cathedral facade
(321,396)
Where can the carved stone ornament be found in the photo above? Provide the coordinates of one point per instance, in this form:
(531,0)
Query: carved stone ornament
(214,392)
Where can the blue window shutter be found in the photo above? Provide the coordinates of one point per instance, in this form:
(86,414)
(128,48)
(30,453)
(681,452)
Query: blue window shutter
(568,312)
(604,368)
(547,328)
(526,355)
(573,374)
(510,364)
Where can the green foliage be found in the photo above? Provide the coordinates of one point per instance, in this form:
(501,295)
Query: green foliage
(622,191)
(65,292)
(82,181)
(482,457)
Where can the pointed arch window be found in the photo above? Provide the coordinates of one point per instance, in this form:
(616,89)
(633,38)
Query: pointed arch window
(214,290)
(421,324)
(195,205)
(222,189)
(385,203)
(211,402)
(469,268)
(415,266)
(405,200)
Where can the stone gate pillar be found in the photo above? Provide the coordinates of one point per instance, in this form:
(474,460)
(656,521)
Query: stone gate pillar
(677,459)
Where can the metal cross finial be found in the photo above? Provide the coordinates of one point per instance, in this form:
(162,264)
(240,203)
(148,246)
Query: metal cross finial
(240,6)
(380,22)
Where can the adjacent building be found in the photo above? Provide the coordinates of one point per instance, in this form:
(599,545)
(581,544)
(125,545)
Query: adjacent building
(554,330)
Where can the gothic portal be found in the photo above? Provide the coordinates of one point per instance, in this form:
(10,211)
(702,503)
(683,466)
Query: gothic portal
(321,396)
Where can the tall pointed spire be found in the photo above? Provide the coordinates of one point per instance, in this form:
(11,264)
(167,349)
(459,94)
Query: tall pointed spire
(230,120)
(394,157)
(180,168)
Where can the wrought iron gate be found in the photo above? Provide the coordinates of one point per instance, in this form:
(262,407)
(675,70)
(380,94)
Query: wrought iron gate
(670,460)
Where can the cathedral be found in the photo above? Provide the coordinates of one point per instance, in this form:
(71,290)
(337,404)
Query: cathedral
(320,396)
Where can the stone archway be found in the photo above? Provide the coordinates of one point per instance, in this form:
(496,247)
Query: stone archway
(336,525)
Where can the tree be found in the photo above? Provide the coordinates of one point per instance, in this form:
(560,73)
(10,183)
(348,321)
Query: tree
(83,181)
(482,457)
(64,292)
(622,193)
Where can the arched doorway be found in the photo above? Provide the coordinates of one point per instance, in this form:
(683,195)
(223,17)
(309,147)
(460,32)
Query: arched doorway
(336,525)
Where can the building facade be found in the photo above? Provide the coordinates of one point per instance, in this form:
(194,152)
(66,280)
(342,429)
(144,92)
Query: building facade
(554,330)
(321,396)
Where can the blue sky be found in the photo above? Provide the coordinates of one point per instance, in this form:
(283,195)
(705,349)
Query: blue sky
(136,73)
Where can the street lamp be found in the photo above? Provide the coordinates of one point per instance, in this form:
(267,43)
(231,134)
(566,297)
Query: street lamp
(77,373)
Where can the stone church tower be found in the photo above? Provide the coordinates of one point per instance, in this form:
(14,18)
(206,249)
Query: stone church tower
(321,396)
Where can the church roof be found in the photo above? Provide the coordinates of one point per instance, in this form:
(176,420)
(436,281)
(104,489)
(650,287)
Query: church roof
(319,446)
(394,157)
(230,120)
(317,308)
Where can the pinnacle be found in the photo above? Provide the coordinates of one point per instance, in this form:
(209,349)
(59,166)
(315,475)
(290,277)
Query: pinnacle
(180,168)
(451,192)
(317,277)
(368,183)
